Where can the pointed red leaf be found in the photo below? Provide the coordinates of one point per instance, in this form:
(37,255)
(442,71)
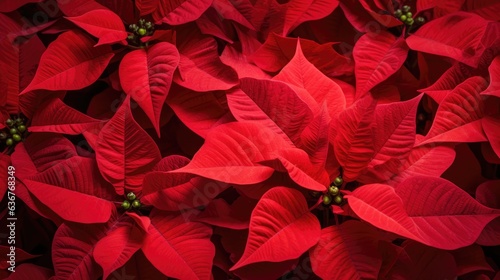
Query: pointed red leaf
(340,245)
(458,118)
(241,64)
(281,220)
(470,259)
(179,248)
(68,204)
(119,245)
(377,56)
(103,24)
(254,103)
(200,68)
(314,138)
(125,152)
(70,54)
(429,210)
(231,152)
(227,11)
(9,6)
(471,35)
(78,7)
(488,194)
(353,142)
(299,11)
(146,75)
(177,12)
(301,73)
(494,70)
(55,116)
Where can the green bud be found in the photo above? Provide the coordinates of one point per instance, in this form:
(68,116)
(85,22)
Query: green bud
(327,199)
(149,25)
(3,135)
(19,121)
(410,21)
(409,15)
(136,203)
(141,31)
(9,122)
(142,22)
(337,199)
(21,128)
(16,137)
(402,18)
(398,13)
(333,190)
(420,20)
(9,142)
(13,130)
(338,181)
(126,204)
(131,196)
(406,8)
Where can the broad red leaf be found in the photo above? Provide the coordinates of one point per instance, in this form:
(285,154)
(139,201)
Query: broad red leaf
(314,138)
(458,118)
(72,253)
(254,103)
(488,194)
(353,142)
(199,111)
(472,35)
(490,127)
(282,220)
(63,72)
(277,51)
(301,73)
(122,241)
(200,68)
(125,152)
(487,9)
(103,24)
(140,267)
(7,6)
(175,12)
(146,75)
(179,248)
(177,192)
(231,152)
(430,263)
(227,11)
(432,211)
(377,56)
(235,216)
(241,64)
(395,134)
(440,8)
(470,259)
(68,204)
(340,245)
(298,11)
(55,116)
(494,86)
(76,8)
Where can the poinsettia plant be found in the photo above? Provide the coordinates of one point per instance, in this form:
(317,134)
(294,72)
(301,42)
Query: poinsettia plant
(196,139)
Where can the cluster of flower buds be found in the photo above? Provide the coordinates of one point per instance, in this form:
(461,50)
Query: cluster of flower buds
(142,28)
(333,194)
(131,201)
(405,15)
(14,131)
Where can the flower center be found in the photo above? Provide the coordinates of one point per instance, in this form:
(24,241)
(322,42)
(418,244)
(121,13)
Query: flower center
(131,203)
(13,133)
(139,30)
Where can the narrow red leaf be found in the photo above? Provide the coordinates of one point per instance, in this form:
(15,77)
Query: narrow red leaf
(69,55)
(377,56)
(125,152)
(103,24)
(432,211)
(282,220)
(146,75)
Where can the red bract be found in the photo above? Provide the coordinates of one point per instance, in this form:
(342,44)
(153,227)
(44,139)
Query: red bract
(253,139)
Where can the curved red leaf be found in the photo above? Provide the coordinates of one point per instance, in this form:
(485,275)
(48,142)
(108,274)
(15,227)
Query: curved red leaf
(299,11)
(340,245)
(432,211)
(177,12)
(70,54)
(231,152)
(179,248)
(281,220)
(488,194)
(146,75)
(31,271)
(430,263)
(125,152)
(103,24)
(458,118)
(494,70)
(377,56)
